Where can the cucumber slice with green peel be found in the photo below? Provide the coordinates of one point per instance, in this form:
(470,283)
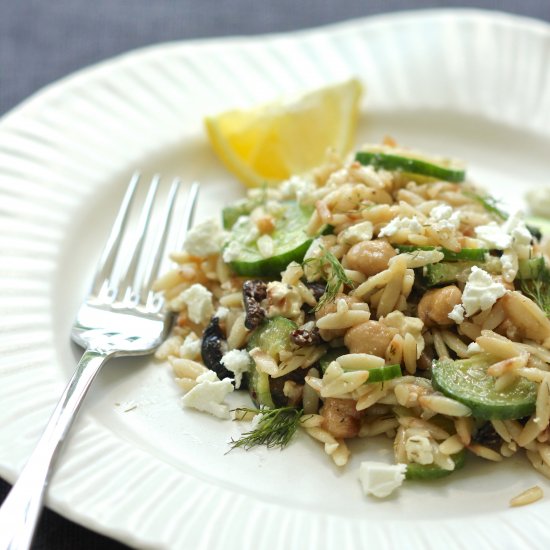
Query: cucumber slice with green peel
(273,336)
(330,356)
(412,164)
(381,374)
(258,388)
(290,243)
(231,213)
(466,254)
(447,272)
(376,374)
(433,471)
(467,381)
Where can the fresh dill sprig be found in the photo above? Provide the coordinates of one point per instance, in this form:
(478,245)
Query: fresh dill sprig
(275,428)
(336,276)
(538,289)
(489,203)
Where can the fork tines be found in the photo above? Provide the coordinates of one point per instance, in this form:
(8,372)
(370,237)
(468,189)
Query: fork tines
(132,258)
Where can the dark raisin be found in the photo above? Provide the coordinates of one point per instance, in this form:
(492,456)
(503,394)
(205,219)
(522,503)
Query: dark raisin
(303,337)
(253,293)
(487,435)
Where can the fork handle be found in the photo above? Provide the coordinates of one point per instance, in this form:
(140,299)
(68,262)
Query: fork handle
(20,511)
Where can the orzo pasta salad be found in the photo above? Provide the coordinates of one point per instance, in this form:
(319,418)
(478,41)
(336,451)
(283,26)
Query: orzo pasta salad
(384,296)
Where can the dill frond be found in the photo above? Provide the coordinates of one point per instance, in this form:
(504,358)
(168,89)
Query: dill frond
(538,289)
(336,277)
(275,428)
(490,204)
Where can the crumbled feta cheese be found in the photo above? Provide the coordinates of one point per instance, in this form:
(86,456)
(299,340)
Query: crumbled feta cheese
(357,233)
(299,188)
(443,218)
(191,347)
(232,251)
(238,362)
(221,313)
(205,239)
(208,395)
(480,292)
(411,225)
(419,449)
(198,300)
(539,200)
(457,314)
(520,235)
(493,236)
(381,479)
(283,300)
(510,265)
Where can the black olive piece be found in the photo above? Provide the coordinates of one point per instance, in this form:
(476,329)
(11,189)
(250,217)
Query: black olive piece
(212,348)
(536,233)
(317,289)
(253,293)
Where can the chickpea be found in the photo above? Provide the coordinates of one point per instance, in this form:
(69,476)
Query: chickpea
(369,337)
(340,417)
(369,257)
(435,306)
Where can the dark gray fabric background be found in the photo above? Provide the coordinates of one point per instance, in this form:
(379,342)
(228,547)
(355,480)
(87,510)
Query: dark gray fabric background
(41,41)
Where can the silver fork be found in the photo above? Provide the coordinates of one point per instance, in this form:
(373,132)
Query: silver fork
(121,316)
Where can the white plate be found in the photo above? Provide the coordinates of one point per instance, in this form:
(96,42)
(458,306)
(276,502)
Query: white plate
(467,83)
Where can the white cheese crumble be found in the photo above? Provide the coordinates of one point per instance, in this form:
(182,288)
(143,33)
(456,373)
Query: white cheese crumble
(297,187)
(232,251)
(457,314)
(443,218)
(419,449)
(411,225)
(283,299)
(381,479)
(357,233)
(238,362)
(198,300)
(208,395)
(191,347)
(494,236)
(480,293)
(205,239)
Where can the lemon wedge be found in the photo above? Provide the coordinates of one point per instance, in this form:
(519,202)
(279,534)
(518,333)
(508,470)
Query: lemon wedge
(269,143)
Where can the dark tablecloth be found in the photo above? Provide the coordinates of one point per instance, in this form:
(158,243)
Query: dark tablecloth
(41,41)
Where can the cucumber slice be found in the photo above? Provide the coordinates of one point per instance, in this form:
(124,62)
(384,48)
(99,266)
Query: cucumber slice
(330,356)
(231,213)
(432,471)
(386,372)
(273,336)
(446,272)
(467,381)
(376,374)
(289,238)
(258,388)
(390,158)
(450,272)
(466,254)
